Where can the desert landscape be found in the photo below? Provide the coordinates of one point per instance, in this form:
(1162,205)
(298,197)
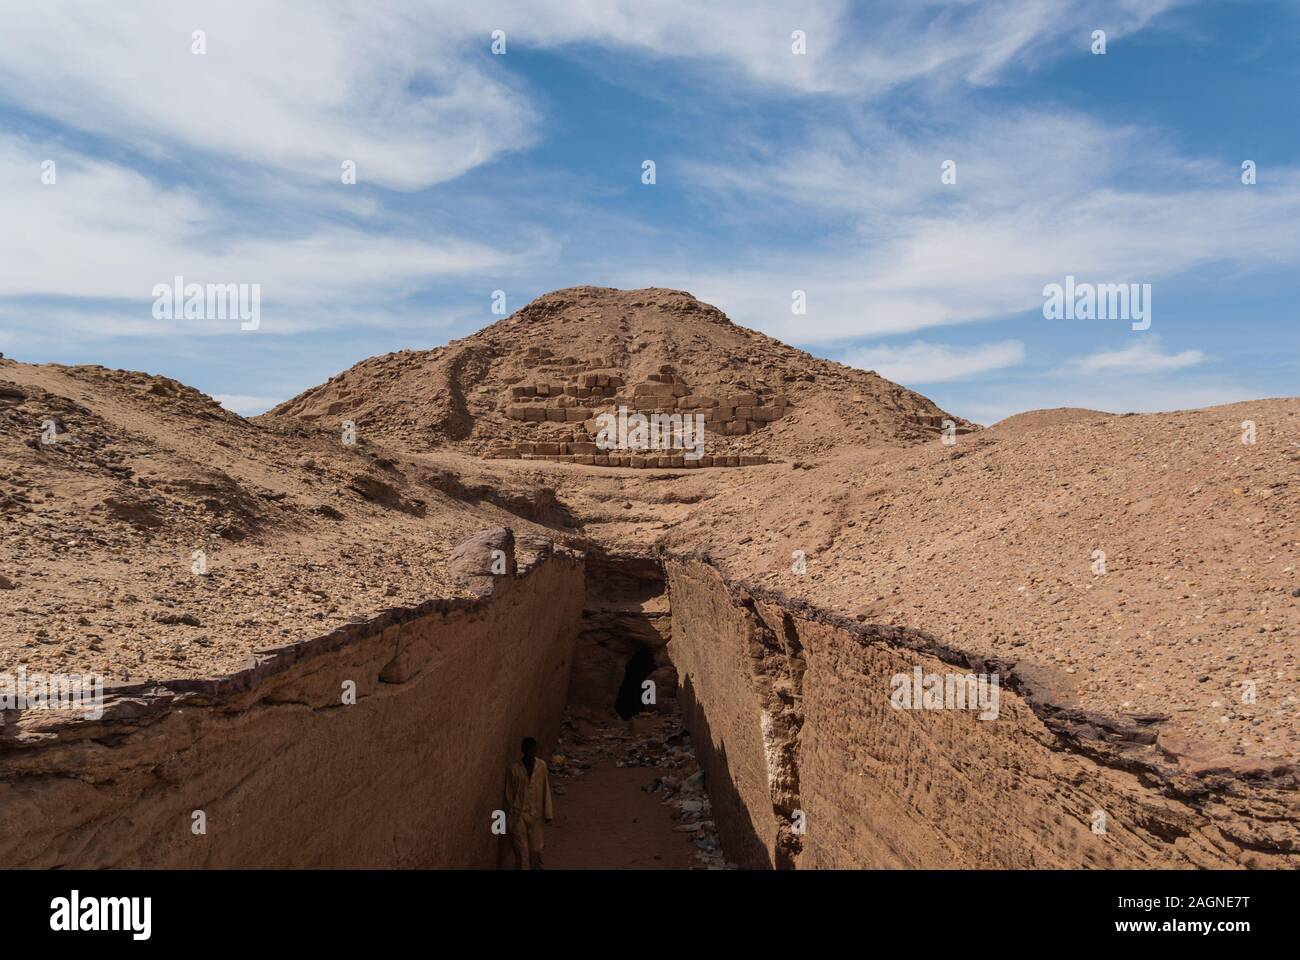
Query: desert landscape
(567,469)
(326,628)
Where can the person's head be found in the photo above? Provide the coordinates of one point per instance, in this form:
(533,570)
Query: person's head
(529,747)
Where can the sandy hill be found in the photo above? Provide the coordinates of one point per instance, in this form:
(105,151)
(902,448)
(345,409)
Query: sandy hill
(298,532)
(540,375)
(1038,419)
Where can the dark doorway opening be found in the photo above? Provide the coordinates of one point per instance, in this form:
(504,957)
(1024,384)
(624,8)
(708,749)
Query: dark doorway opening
(639,666)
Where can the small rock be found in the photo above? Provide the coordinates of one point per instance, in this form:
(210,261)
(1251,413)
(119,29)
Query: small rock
(188,619)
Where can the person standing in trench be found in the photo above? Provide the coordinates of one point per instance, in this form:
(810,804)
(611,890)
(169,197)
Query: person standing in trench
(528,803)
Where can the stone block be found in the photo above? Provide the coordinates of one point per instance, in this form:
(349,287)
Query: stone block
(652,389)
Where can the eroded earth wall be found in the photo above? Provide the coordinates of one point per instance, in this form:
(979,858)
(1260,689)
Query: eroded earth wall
(791,714)
(287,774)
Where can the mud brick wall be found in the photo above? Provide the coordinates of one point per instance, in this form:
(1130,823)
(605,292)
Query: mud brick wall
(288,775)
(588,453)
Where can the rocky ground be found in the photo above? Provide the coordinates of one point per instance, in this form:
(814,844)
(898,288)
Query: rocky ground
(996,545)
(992,543)
(160,536)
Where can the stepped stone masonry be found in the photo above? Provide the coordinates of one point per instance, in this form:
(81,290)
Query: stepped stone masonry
(582,392)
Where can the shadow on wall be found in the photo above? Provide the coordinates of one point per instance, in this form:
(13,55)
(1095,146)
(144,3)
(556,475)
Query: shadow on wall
(740,841)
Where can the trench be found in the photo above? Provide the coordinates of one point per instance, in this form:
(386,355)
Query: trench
(805,763)
(691,721)
(630,793)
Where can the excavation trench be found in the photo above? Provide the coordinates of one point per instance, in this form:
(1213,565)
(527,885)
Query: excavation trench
(810,763)
(784,708)
(629,789)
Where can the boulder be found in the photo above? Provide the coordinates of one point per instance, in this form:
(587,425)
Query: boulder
(473,558)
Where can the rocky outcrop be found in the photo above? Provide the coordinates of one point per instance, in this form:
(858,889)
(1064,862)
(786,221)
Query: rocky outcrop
(811,765)
(382,744)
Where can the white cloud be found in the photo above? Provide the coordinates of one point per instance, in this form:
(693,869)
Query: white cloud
(1034,201)
(938,40)
(300,85)
(1144,356)
(921,362)
(410,92)
(245,405)
(103,232)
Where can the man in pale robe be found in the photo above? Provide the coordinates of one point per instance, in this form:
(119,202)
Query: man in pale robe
(528,803)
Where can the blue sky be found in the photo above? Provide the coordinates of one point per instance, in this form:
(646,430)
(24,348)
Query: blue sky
(775,172)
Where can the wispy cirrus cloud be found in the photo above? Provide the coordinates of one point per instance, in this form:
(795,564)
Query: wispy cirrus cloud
(943,42)
(106,234)
(283,94)
(299,86)
(409,91)
(1143,356)
(1037,196)
(922,362)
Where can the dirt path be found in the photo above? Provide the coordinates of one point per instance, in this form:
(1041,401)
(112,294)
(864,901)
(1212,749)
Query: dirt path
(629,796)
(605,820)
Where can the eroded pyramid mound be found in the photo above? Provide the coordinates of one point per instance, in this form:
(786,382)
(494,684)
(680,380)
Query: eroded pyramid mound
(534,385)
